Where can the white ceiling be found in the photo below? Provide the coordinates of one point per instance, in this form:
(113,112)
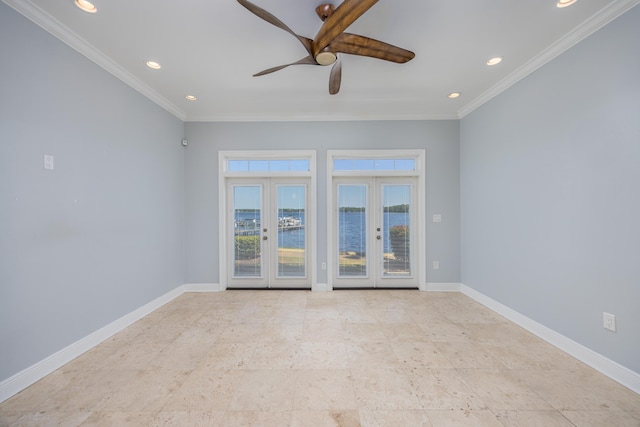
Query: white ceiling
(211,49)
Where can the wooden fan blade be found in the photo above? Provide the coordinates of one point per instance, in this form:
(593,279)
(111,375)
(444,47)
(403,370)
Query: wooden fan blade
(359,45)
(261,13)
(343,16)
(307,60)
(336,77)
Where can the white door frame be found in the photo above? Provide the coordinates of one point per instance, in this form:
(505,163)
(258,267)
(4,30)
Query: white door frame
(224,173)
(419,172)
(268,233)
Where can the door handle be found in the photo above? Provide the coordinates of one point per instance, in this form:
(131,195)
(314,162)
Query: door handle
(264,237)
(264,229)
(378,237)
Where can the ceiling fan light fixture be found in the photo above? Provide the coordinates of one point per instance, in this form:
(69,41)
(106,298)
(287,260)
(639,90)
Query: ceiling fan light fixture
(565,3)
(326,58)
(86,6)
(153,65)
(454,95)
(494,61)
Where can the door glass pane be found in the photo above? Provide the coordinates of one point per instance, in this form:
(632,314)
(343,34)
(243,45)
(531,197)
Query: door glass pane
(396,230)
(247,260)
(292,244)
(352,226)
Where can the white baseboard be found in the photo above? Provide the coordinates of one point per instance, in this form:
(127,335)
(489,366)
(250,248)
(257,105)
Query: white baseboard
(608,367)
(440,287)
(203,287)
(36,372)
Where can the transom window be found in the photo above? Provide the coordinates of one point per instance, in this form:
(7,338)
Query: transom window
(374,164)
(270,165)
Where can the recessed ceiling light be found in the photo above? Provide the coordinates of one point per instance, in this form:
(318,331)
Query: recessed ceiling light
(494,61)
(191,97)
(454,95)
(565,3)
(153,64)
(86,6)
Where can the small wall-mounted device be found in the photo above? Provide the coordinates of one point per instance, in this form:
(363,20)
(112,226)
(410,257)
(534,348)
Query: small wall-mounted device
(185,142)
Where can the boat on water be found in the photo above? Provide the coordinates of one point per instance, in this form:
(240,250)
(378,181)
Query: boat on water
(249,223)
(289,221)
(251,227)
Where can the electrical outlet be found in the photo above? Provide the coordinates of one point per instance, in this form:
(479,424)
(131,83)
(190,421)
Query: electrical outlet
(324,265)
(48,162)
(609,321)
(436,265)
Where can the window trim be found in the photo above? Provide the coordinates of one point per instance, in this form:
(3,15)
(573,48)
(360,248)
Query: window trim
(225,156)
(417,155)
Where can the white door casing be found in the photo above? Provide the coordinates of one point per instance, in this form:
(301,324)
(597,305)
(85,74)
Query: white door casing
(282,185)
(380,172)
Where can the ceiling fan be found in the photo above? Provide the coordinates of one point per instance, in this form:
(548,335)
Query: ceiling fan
(331,40)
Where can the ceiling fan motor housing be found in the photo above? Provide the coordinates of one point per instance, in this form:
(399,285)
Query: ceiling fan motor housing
(324,11)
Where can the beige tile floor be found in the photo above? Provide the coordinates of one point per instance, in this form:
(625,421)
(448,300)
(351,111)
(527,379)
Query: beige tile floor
(346,358)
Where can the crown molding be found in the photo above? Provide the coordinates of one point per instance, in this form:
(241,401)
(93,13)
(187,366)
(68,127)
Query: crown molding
(60,31)
(28,9)
(321,117)
(575,36)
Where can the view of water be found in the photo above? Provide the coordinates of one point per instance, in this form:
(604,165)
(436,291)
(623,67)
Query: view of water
(352,236)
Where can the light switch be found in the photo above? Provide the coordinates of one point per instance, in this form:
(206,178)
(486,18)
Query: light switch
(48,162)
(437,218)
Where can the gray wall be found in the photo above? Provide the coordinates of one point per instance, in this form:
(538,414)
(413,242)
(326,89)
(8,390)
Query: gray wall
(103,233)
(550,193)
(546,175)
(439,138)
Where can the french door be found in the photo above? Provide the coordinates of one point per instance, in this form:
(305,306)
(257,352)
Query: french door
(267,222)
(374,235)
